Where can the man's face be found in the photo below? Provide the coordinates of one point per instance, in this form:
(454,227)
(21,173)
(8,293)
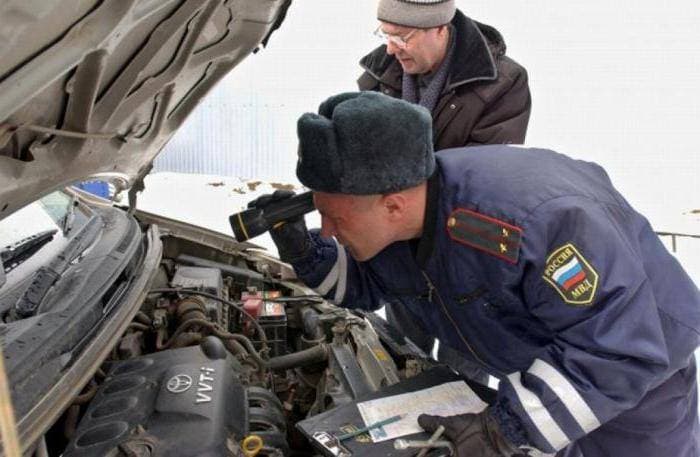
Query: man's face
(358,222)
(424,48)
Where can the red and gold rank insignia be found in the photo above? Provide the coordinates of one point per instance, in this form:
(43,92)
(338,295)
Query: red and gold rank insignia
(485,233)
(571,275)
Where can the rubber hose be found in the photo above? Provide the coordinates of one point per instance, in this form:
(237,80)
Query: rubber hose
(309,356)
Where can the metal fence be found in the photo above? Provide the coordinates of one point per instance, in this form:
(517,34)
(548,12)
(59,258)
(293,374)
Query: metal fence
(675,236)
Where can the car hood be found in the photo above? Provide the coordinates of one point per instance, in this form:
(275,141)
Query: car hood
(93,88)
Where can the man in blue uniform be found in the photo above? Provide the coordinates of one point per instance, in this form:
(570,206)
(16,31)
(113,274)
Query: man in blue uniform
(526,261)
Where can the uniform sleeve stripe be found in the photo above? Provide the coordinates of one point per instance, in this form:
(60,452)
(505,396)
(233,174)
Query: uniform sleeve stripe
(568,395)
(538,414)
(342,274)
(332,277)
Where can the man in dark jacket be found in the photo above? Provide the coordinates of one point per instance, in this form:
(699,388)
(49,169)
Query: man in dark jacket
(456,68)
(527,262)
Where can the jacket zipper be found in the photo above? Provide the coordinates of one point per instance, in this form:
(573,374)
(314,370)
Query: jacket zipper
(432,289)
(442,104)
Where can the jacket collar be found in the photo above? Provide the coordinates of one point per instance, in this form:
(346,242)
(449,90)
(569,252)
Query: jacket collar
(427,240)
(473,58)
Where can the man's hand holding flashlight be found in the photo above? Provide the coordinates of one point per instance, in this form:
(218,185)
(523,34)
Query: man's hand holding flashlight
(290,236)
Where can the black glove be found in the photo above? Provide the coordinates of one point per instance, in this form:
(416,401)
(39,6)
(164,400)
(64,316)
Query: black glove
(473,435)
(291,237)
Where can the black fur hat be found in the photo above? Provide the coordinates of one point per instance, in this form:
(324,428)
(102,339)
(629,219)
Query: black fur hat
(365,143)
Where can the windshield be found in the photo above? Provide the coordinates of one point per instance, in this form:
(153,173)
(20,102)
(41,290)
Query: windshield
(36,233)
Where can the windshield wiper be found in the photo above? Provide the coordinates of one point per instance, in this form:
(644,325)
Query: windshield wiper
(46,277)
(20,251)
(68,219)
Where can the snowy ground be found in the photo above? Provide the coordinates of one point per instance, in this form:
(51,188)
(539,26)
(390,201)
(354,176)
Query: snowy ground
(207,201)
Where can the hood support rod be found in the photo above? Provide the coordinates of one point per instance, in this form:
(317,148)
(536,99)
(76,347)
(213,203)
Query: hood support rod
(8,428)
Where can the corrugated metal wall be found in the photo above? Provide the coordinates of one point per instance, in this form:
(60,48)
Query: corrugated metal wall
(232,134)
(246,126)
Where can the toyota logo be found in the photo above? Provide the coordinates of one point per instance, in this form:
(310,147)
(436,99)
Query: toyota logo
(179,383)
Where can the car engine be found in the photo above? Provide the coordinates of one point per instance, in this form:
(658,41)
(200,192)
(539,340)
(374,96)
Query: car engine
(223,358)
(185,401)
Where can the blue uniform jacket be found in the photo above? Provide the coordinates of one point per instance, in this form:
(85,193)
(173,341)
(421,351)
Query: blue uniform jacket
(532,265)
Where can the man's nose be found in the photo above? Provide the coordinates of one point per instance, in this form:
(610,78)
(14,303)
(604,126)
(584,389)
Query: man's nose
(392,48)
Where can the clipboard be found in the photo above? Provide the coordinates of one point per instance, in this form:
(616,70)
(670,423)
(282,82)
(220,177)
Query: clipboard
(343,418)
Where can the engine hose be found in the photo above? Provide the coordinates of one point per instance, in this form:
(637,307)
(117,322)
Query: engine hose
(309,356)
(241,339)
(187,339)
(87,395)
(312,329)
(143,318)
(305,357)
(249,348)
(239,307)
(181,329)
(160,337)
(190,308)
(237,349)
(139,327)
(223,335)
(70,424)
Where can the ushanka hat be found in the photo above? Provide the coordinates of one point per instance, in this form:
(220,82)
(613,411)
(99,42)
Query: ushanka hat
(422,14)
(365,143)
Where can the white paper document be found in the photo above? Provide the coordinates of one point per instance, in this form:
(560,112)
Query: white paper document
(444,400)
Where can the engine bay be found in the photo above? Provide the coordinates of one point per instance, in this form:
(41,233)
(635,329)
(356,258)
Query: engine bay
(222,350)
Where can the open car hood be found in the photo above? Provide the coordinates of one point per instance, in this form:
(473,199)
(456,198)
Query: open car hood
(97,87)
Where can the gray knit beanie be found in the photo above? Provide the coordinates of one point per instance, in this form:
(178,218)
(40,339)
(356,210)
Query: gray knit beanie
(365,143)
(422,14)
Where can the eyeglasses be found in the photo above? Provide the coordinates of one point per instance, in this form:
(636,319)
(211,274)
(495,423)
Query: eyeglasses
(400,41)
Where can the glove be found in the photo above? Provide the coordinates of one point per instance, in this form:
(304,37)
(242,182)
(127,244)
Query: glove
(473,435)
(291,237)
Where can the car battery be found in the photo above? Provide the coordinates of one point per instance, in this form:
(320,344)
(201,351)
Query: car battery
(272,317)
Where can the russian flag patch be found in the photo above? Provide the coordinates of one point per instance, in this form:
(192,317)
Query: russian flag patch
(571,275)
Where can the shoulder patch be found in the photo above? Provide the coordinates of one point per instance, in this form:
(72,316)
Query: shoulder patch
(571,275)
(485,233)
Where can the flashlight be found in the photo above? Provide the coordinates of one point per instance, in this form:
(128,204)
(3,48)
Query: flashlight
(254,221)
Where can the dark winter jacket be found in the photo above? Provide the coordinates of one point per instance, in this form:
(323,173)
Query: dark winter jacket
(533,266)
(486,99)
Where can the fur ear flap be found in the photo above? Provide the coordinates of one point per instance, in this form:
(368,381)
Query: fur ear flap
(327,107)
(319,163)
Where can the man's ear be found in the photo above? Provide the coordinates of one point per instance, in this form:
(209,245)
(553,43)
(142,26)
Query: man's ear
(395,205)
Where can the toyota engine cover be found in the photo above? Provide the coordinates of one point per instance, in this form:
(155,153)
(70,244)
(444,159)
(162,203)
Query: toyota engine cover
(176,403)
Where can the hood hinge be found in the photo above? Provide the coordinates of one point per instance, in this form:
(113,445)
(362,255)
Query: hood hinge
(138,186)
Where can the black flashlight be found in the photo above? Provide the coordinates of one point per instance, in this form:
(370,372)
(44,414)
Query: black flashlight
(253,222)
